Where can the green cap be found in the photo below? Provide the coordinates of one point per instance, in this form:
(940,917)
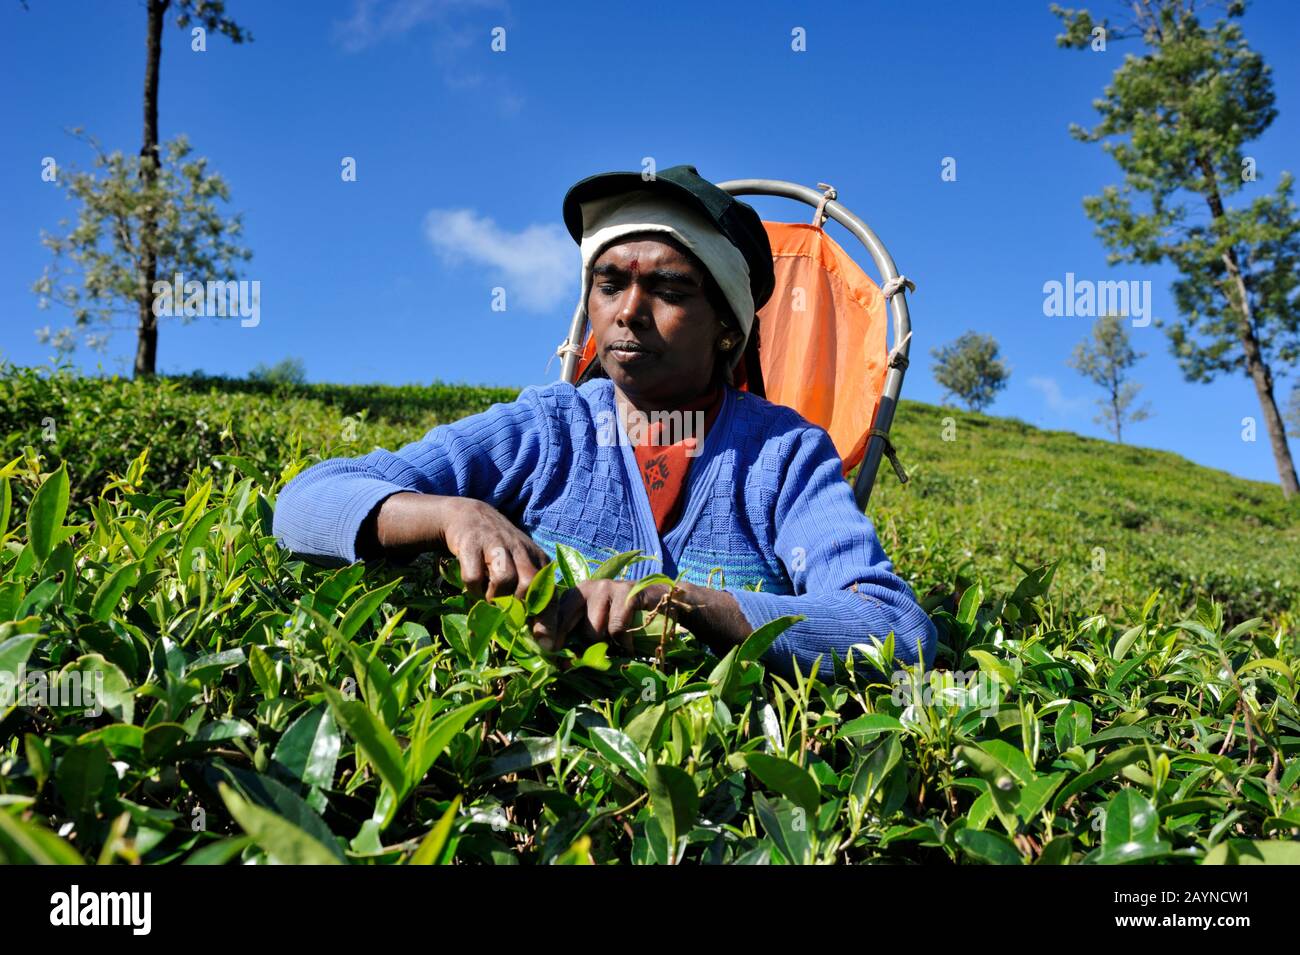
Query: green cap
(736,220)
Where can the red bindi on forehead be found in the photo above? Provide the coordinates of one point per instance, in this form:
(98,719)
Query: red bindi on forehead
(633,268)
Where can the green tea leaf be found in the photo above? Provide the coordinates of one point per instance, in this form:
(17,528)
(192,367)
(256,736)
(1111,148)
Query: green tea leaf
(220,852)
(970,604)
(787,825)
(994,667)
(872,771)
(540,590)
(45,514)
(1105,769)
(104,685)
(674,801)
(761,640)
(595,656)
(309,748)
(281,839)
(372,737)
(786,778)
(1073,725)
(429,742)
(111,590)
(433,844)
(645,725)
(1268,663)
(1125,642)
(26,843)
(194,539)
(1130,819)
(524,753)
(613,568)
(362,608)
(870,725)
(15,651)
(573,566)
(264,672)
(80,776)
(617,747)
(1253,852)
(1004,787)
(988,847)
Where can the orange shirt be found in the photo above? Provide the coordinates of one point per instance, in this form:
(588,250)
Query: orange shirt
(663,467)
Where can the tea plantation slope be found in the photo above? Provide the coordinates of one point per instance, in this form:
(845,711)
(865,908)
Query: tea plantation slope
(990,492)
(985,492)
(177,688)
(99,425)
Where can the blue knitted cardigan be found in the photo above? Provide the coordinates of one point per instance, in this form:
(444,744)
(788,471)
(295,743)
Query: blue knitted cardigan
(767,515)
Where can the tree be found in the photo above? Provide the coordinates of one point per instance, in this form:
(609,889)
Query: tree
(286,371)
(97,266)
(1106,358)
(970,369)
(1293,412)
(211,17)
(122,243)
(1182,113)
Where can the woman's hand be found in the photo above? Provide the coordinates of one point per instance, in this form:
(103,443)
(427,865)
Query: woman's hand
(598,610)
(496,557)
(601,610)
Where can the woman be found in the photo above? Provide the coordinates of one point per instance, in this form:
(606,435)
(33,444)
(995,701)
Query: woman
(674,270)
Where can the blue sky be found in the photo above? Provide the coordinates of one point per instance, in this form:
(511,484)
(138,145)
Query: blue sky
(464,154)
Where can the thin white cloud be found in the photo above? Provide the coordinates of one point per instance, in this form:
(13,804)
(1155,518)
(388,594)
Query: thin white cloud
(373,21)
(537,266)
(460,29)
(1056,401)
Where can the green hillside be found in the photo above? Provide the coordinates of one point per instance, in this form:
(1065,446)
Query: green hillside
(1123,520)
(1116,678)
(1001,493)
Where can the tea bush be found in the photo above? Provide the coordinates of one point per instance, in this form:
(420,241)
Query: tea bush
(1123,521)
(100,424)
(245,706)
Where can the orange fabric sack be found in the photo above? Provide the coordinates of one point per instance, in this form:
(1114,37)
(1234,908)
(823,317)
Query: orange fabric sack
(822,337)
(823,342)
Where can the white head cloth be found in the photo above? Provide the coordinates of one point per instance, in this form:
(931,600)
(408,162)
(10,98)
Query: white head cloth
(608,219)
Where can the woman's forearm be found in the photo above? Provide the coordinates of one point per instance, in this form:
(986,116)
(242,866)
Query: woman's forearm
(405,525)
(836,621)
(713,616)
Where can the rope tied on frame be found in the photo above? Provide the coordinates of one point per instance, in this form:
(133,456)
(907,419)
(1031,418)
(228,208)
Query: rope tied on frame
(565,348)
(896,285)
(896,357)
(828,193)
(890,452)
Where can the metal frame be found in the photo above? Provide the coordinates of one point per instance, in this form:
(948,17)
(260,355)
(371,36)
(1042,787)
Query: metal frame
(898,302)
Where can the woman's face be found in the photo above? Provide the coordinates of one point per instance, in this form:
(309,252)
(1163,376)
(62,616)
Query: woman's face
(656,334)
